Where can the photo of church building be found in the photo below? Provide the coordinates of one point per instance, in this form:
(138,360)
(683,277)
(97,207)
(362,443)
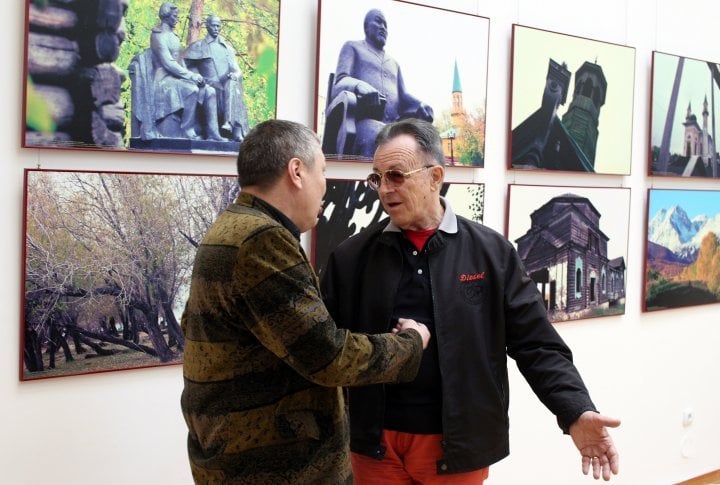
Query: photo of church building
(571,103)
(683,140)
(567,253)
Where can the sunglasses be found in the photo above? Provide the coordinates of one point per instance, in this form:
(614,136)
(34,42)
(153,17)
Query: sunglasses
(395,177)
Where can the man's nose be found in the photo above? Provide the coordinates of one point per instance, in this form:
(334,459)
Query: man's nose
(385,186)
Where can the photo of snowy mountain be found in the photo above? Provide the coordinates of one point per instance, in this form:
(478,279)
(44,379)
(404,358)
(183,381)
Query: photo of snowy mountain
(682,263)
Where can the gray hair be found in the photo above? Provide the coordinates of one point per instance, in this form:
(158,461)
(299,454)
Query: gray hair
(425,134)
(267,149)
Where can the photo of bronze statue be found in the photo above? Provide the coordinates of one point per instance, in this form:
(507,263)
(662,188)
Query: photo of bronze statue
(367,73)
(191,76)
(373,69)
(214,59)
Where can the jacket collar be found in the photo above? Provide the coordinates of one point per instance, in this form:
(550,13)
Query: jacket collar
(448,224)
(209,40)
(247,200)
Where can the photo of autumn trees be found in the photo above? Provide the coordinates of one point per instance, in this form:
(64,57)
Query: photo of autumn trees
(107,265)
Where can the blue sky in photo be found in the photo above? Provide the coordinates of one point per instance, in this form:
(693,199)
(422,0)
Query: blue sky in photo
(694,202)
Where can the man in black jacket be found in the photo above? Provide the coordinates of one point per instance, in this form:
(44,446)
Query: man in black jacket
(467,284)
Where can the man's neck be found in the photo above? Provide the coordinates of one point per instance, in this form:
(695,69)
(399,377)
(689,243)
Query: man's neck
(277,198)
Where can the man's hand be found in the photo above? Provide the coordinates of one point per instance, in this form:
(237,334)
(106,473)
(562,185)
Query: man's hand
(197,79)
(590,435)
(363,89)
(407,323)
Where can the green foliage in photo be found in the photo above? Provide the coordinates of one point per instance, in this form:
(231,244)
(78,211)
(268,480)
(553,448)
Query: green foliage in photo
(249,26)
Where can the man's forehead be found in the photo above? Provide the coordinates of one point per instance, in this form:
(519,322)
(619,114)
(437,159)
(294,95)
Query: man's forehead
(395,155)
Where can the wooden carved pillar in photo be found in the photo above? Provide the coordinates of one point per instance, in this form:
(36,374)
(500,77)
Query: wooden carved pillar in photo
(52,57)
(72,46)
(100,120)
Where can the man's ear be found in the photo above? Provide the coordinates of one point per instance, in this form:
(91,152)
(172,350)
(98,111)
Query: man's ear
(294,170)
(438,175)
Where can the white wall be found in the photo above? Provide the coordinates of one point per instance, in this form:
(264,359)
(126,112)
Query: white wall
(126,427)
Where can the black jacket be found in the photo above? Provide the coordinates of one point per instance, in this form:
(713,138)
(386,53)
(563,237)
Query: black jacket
(486,308)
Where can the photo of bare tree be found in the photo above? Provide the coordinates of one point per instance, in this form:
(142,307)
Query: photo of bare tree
(107,264)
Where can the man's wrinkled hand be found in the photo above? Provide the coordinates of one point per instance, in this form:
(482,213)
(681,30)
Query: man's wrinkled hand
(407,323)
(590,435)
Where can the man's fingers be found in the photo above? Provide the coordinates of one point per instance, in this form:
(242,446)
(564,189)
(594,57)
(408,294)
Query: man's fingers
(596,467)
(609,422)
(585,464)
(605,463)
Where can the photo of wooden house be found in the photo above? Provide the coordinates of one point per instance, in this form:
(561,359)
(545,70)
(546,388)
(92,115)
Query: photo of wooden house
(567,251)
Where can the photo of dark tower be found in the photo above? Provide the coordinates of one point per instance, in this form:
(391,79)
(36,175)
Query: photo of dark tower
(583,115)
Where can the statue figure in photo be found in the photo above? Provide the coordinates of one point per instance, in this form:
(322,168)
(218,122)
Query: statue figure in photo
(165,93)
(214,58)
(372,83)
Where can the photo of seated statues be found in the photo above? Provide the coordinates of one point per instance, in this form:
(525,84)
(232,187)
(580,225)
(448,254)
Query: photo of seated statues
(367,80)
(214,59)
(181,77)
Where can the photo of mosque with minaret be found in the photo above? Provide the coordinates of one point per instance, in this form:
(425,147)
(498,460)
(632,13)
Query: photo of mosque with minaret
(685,102)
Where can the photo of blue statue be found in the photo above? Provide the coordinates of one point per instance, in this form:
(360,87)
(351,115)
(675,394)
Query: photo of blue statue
(372,82)
(373,70)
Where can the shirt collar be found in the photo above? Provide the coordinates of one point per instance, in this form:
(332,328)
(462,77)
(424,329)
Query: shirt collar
(448,224)
(250,200)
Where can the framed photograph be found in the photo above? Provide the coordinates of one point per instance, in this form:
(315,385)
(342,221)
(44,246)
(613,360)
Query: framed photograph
(187,77)
(571,103)
(351,205)
(107,264)
(380,61)
(573,242)
(682,256)
(683,117)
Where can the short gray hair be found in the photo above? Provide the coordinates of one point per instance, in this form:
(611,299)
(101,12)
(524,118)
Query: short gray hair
(425,134)
(267,149)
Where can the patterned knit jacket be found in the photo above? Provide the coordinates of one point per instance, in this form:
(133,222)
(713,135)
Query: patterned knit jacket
(263,359)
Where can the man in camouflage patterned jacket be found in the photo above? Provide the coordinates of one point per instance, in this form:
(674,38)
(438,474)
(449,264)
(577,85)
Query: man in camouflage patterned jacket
(263,358)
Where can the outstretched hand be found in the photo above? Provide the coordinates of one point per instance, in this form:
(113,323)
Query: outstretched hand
(590,435)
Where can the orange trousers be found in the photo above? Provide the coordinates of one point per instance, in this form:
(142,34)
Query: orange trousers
(409,459)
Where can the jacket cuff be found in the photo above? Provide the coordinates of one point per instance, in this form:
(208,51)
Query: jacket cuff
(409,371)
(566,420)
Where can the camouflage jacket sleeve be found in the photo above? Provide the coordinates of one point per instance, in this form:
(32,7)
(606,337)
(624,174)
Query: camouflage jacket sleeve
(276,285)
